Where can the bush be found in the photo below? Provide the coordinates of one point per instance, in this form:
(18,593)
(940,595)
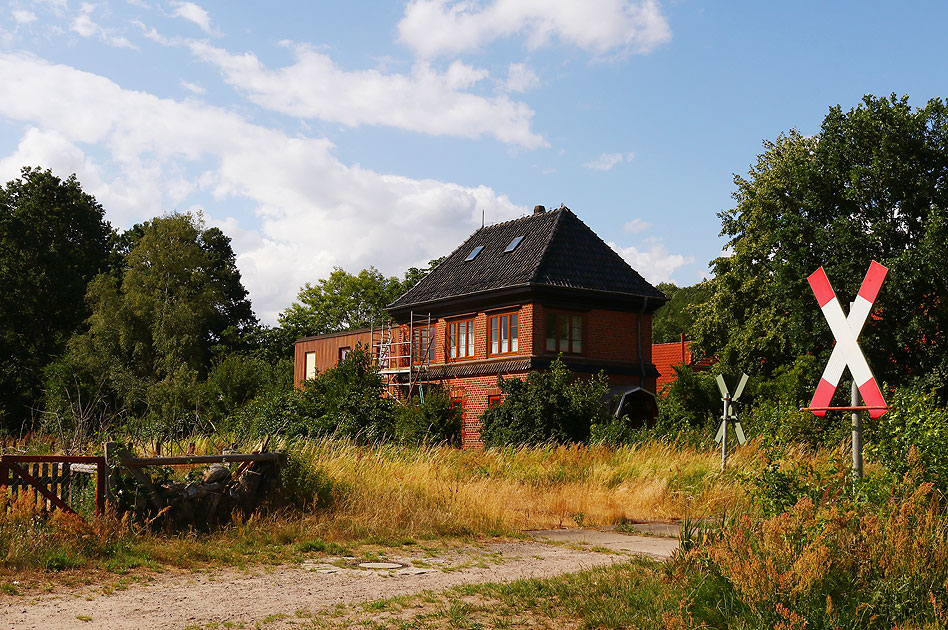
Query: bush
(549,406)
(692,401)
(915,421)
(238,378)
(617,432)
(436,420)
(349,400)
(345,400)
(831,564)
(305,485)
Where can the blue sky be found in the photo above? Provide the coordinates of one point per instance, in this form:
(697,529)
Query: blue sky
(376,133)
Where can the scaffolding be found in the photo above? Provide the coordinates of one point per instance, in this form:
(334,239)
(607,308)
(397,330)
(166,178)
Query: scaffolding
(403,356)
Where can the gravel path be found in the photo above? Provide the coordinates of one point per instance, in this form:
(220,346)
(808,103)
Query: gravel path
(197,599)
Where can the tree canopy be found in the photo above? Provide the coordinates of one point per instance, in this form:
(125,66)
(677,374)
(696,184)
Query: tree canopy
(677,316)
(53,240)
(346,301)
(870,185)
(156,324)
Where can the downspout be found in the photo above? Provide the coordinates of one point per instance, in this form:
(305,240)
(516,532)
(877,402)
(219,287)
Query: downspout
(638,325)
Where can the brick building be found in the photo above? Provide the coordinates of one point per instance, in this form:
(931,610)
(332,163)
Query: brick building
(508,301)
(667,355)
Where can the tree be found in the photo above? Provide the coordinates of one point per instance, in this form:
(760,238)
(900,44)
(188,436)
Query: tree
(344,301)
(341,302)
(677,316)
(870,185)
(156,325)
(53,240)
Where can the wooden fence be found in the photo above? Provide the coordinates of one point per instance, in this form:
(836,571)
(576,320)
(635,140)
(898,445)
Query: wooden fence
(61,479)
(57,478)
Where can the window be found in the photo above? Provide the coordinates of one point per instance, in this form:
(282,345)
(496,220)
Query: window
(422,346)
(474,253)
(513,244)
(344,352)
(457,402)
(461,339)
(503,333)
(564,333)
(494,399)
(310,371)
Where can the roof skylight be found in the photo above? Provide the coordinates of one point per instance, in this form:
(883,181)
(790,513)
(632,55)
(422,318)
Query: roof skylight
(474,253)
(513,244)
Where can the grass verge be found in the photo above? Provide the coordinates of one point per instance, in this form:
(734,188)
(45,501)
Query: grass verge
(348,496)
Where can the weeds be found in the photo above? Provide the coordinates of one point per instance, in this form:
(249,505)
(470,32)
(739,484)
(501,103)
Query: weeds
(830,560)
(343,495)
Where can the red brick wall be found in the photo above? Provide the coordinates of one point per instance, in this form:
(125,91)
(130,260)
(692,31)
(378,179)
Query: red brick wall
(473,392)
(607,335)
(525,335)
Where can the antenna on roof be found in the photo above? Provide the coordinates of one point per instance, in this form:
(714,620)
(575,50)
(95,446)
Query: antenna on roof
(482,217)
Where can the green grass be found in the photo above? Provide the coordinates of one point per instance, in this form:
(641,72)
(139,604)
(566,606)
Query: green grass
(637,594)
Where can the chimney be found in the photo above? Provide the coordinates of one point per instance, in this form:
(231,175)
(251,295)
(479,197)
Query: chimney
(538,209)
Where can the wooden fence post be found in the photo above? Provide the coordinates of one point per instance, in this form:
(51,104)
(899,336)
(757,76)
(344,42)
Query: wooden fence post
(112,462)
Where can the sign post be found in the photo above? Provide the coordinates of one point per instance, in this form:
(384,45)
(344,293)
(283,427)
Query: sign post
(847,353)
(729,415)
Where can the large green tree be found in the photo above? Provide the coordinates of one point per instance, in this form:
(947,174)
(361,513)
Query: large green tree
(345,301)
(53,240)
(872,184)
(156,325)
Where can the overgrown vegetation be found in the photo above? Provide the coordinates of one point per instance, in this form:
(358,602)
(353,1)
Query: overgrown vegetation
(550,406)
(342,492)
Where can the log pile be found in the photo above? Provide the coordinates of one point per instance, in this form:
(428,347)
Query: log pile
(221,494)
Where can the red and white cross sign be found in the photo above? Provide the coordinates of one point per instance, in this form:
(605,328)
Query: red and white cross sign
(847,352)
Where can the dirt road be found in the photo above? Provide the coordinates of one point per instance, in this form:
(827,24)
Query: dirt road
(229,596)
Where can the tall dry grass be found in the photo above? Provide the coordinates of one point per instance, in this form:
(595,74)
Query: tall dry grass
(411,491)
(388,493)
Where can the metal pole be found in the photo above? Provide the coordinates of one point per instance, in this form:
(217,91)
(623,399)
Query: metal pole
(727,401)
(856,422)
(857,433)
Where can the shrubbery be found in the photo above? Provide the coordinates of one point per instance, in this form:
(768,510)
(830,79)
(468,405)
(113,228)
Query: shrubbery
(824,558)
(347,401)
(434,421)
(550,406)
(916,423)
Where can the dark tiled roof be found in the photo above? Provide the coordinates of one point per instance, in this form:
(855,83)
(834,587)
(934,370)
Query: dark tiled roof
(558,250)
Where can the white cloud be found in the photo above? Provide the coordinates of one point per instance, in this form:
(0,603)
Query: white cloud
(655,264)
(313,211)
(520,78)
(606,161)
(425,101)
(192,87)
(635,226)
(442,27)
(22,16)
(193,13)
(84,25)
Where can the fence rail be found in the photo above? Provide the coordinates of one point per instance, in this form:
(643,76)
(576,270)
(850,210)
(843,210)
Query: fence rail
(64,481)
(55,477)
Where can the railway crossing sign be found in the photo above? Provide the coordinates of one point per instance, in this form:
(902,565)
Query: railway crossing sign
(846,352)
(729,415)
